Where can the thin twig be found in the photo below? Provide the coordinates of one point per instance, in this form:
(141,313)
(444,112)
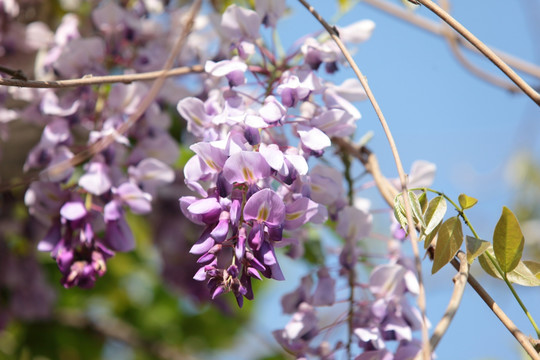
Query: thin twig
(434,28)
(371,164)
(95,80)
(421,296)
(460,281)
(16,74)
(106,141)
(509,324)
(522,84)
(451,38)
(122,331)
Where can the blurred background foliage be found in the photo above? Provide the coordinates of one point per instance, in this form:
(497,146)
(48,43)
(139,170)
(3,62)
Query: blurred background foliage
(147,306)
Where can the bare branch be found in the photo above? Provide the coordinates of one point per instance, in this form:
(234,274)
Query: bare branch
(435,28)
(486,51)
(460,281)
(452,40)
(402,177)
(521,338)
(95,80)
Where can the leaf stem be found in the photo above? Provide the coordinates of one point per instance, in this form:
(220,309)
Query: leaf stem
(511,287)
(490,257)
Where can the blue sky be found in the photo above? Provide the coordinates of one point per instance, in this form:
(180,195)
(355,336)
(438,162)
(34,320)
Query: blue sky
(440,112)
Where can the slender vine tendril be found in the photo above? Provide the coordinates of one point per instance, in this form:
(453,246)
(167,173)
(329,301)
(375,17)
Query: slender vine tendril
(461,213)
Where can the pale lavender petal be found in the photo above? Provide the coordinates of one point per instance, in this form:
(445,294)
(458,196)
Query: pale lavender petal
(238,23)
(112,211)
(313,138)
(272,110)
(59,168)
(265,206)
(299,212)
(273,156)
(246,167)
(96,179)
(51,238)
(387,280)
(50,105)
(73,210)
(224,67)
(302,322)
(354,224)
(255,121)
(357,32)
(152,171)
(325,293)
(118,235)
(193,111)
(138,201)
(212,156)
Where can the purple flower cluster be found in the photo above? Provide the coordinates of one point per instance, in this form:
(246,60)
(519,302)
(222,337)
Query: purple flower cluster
(250,174)
(85,206)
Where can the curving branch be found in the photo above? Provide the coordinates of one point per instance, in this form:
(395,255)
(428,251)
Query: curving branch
(452,40)
(509,324)
(460,281)
(486,51)
(95,80)
(436,29)
(403,178)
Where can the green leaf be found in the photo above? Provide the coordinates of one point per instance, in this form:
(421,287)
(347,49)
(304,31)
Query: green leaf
(400,213)
(475,248)
(434,214)
(466,202)
(534,267)
(345,5)
(449,240)
(521,275)
(508,241)
(431,236)
(423,201)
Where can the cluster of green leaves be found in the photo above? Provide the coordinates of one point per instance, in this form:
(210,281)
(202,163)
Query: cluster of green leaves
(501,259)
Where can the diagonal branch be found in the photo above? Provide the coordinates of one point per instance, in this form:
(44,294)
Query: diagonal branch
(486,51)
(403,178)
(509,324)
(452,40)
(433,27)
(95,80)
(460,281)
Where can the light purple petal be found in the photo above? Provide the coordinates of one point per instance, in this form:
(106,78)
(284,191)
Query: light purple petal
(354,224)
(96,179)
(299,212)
(138,201)
(273,156)
(265,206)
(313,138)
(325,293)
(238,23)
(73,210)
(246,167)
(118,235)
